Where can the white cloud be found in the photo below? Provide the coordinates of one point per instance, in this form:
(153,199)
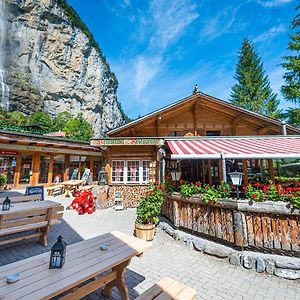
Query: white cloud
(170,19)
(269,34)
(274,3)
(221,23)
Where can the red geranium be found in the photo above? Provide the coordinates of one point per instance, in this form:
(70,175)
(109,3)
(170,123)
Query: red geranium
(254,196)
(198,183)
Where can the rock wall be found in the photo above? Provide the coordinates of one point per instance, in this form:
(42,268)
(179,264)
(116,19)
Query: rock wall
(52,65)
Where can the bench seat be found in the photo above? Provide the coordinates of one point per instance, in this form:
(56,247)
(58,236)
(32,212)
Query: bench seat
(55,189)
(168,289)
(19,199)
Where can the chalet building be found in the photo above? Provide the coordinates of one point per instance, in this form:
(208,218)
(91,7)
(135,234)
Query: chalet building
(31,159)
(200,136)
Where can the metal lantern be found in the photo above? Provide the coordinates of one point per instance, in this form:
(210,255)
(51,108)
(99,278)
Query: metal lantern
(102,177)
(6,204)
(58,254)
(236,178)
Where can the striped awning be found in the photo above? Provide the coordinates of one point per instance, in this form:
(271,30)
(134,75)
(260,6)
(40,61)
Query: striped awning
(235,147)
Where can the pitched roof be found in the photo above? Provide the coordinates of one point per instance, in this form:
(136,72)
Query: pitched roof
(211,99)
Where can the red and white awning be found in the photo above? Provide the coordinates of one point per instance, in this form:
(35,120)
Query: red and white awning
(235,147)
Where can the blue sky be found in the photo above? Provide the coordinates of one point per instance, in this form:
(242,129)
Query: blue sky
(159,49)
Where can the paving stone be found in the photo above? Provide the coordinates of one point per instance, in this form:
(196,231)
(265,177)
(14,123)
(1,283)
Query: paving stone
(210,276)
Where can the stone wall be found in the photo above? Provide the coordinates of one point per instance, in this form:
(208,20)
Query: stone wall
(131,194)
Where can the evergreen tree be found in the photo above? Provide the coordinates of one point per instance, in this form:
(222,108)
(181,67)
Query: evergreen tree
(40,118)
(60,121)
(291,89)
(252,90)
(78,129)
(293,116)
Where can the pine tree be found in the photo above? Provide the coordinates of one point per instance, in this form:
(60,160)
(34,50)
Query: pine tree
(252,90)
(293,116)
(291,89)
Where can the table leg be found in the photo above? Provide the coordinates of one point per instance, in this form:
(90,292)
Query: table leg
(119,282)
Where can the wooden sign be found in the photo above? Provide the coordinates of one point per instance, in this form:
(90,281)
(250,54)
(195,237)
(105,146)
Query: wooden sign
(126,141)
(34,190)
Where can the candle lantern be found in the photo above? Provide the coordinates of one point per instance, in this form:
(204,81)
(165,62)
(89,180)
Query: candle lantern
(58,254)
(6,204)
(102,177)
(236,178)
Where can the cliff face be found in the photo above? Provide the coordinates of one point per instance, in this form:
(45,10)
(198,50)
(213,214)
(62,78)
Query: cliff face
(52,65)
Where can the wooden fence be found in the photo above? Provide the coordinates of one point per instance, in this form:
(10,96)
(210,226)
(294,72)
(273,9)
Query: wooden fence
(268,226)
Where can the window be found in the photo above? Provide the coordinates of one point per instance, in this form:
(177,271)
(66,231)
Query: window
(146,170)
(213,133)
(117,174)
(131,171)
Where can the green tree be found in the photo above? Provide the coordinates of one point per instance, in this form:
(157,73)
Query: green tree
(60,121)
(42,119)
(78,129)
(252,90)
(293,116)
(291,89)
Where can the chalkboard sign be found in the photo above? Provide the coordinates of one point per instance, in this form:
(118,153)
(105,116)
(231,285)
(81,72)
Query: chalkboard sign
(34,190)
(74,174)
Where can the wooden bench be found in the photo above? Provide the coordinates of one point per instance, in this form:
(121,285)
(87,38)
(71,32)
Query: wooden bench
(86,269)
(168,289)
(26,216)
(20,199)
(55,189)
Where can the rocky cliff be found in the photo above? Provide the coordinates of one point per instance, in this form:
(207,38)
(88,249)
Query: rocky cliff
(53,64)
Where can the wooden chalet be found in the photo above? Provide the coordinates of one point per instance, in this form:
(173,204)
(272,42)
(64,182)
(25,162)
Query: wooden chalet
(144,150)
(31,159)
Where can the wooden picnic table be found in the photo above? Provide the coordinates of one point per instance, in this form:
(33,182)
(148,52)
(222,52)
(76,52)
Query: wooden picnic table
(81,274)
(71,185)
(25,216)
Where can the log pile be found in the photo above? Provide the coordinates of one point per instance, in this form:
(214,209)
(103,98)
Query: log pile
(131,194)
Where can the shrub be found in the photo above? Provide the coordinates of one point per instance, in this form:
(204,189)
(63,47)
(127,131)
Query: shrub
(149,206)
(3,178)
(189,189)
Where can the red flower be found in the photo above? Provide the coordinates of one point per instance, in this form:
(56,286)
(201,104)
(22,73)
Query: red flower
(160,186)
(295,195)
(245,188)
(257,184)
(181,181)
(254,196)
(151,192)
(155,182)
(224,190)
(198,183)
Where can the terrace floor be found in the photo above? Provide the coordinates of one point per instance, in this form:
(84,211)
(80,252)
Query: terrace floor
(211,277)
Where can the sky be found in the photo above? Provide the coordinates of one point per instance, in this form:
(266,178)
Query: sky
(159,49)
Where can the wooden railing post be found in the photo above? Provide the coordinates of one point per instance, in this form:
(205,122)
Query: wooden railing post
(239,227)
(176,217)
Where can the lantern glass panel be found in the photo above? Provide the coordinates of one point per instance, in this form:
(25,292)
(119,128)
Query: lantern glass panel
(6,204)
(102,177)
(236,178)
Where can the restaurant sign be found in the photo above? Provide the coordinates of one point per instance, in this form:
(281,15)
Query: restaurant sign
(126,141)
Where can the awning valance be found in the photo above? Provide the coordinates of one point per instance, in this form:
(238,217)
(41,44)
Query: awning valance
(237,147)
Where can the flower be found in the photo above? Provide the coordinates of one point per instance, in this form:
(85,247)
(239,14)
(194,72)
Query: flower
(198,183)
(257,184)
(224,190)
(155,182)
(181,181)
(244,188)
(254,196)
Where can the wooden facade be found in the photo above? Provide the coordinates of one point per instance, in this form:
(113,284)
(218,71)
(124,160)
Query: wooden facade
(36,154)
(196,115)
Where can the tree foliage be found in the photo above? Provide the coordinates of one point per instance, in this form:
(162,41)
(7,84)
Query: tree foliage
(42,119)
(78,128)
(291,88)
(293,116)
(252,90)
(60,121)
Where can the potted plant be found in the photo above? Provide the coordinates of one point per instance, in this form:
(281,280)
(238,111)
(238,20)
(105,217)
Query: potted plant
(147,213)
(3,178)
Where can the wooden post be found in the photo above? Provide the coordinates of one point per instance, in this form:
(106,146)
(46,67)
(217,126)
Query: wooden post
(262,169)
(176,216)
(17,170)
(271,169)
(240,232)
(79,168)
(209,172)
(91,167)
(50,173)
(34,178)
(108,164)
(67,165)
(278,167)
(220,168)
(245,172)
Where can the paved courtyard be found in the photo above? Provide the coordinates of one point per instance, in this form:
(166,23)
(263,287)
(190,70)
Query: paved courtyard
(211,277)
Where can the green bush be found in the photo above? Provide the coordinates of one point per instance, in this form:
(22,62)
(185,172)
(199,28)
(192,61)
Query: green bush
(3,178)
(149,206)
